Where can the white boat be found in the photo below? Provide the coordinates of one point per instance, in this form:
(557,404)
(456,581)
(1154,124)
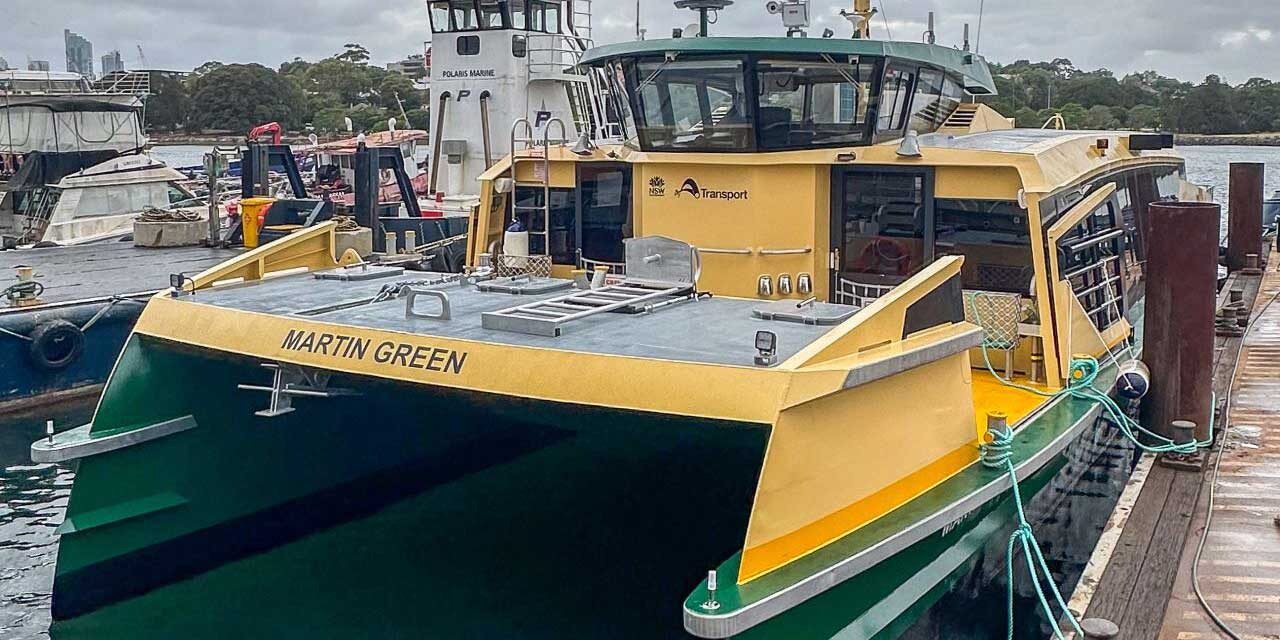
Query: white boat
(103,201)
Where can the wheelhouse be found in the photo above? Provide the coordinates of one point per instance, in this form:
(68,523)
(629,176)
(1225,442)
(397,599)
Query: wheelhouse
(747,95)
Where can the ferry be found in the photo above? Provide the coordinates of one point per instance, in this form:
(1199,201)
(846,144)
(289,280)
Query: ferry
(737,374)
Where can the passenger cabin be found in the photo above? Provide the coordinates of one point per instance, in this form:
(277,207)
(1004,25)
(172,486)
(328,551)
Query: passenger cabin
(837,169)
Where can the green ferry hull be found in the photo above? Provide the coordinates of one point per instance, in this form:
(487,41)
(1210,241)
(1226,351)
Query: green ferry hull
(662,508)
(543,508)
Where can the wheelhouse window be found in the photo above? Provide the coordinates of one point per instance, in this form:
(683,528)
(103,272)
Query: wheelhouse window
(813,103)
(473,15)
(693,105)
(895,99)
(994,238)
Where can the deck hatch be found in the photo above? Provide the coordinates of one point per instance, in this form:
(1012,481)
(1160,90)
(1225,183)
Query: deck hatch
(811,312)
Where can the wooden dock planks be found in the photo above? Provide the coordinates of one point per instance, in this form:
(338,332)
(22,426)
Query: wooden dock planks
(1240,570)
(1138,582)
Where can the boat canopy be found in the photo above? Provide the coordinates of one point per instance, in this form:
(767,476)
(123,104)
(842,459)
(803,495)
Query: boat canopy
(778,94)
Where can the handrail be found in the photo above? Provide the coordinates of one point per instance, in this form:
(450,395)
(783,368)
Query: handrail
(738,252)
(786,252)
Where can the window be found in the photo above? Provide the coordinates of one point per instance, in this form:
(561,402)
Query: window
(519,14)
(993,236)
(178,196)
(552,19)
(468,45)
(808,103)
(562,235)
(883,218)
(519,46)
(464,17)
(952,96)
(1089,257)
(694,105)
(493,14)
(894,99)
(926,106)
(440,17)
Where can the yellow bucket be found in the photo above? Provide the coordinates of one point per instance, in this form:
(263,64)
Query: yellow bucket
(251,213)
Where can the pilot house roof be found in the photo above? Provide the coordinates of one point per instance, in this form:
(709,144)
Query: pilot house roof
(972,66)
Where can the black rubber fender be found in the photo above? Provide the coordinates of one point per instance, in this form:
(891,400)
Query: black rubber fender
(55,345)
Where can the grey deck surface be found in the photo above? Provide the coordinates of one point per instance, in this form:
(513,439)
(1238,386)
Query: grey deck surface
(715,331)
(1011,140)
(107,269)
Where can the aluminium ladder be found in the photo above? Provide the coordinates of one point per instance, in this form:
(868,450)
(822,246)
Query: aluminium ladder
(541,173)
(548,317)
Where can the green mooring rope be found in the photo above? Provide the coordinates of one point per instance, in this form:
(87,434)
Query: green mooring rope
(998,454)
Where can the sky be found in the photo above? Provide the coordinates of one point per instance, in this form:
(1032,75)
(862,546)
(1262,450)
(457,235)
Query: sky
(1187,39)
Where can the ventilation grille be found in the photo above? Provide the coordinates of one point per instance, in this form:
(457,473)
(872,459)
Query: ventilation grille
(962,117)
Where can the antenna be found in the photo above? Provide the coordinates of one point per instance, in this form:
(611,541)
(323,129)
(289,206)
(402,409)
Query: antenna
(929,35)
(860,18)
(704,9)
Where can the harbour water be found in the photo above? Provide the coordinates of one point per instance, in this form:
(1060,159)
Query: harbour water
(361,579)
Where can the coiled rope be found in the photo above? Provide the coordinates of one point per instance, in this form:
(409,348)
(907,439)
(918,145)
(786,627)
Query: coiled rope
(154,214)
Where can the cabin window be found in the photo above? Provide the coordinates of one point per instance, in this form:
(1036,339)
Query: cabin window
(562,231)
(808,103)
(1089,257)
(895,99)
(695,105)
(884,228)
(468,45)
(994,238)
(178,196)
(519,46)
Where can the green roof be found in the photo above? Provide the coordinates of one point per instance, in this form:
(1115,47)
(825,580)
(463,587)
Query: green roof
(973,67)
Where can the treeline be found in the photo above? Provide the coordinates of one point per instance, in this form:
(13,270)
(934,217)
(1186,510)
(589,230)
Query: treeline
(237,97)
(1033,92)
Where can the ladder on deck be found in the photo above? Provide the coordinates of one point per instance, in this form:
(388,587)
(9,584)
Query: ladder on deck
(548,317)
(534,151)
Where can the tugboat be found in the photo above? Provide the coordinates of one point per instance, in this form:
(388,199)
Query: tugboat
(736,376)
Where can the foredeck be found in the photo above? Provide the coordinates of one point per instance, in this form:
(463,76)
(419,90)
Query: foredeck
(97,271)
(717,331)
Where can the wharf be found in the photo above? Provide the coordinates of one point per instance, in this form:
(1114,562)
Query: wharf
(93,294)
(1142,578)
(100,271)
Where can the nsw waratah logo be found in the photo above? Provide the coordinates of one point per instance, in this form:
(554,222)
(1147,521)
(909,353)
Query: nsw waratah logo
(657,186)
(690,187)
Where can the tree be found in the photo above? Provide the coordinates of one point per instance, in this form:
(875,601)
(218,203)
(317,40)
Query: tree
(1099,117)
(1144,117)
(168,105)
(395,86)
(353,53)
(238,97)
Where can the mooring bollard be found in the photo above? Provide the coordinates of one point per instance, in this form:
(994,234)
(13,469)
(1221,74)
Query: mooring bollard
(1099,629)
(1182,285)
(1244,224)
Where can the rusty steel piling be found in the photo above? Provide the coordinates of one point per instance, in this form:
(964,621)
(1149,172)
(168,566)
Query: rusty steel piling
(1180,314)
(1244,225)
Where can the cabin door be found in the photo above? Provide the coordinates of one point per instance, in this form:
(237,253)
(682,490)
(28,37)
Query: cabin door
(882,230)
(604,214)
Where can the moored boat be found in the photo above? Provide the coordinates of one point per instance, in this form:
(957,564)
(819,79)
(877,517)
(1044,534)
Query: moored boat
(768,337)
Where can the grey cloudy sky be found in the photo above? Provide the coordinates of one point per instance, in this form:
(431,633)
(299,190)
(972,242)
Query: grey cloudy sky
(1237,39)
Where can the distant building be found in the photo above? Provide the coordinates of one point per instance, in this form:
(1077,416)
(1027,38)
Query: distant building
(112,62)
(4,64)
(79,53)
(38,65)
(415,66)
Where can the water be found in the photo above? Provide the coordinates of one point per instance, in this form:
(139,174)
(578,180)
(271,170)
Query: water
(361,579)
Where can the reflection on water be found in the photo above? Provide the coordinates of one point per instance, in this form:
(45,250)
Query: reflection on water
(33,498)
